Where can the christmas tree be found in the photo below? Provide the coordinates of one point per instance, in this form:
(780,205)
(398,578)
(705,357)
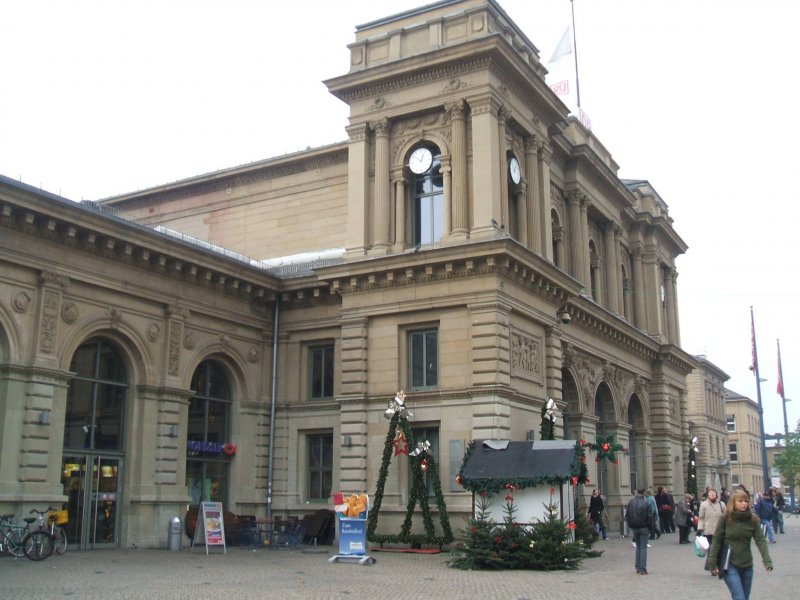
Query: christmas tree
(420,462)
(551,545)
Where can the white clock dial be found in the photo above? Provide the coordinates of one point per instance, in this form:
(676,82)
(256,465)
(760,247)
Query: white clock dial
(420,160)
(514,170)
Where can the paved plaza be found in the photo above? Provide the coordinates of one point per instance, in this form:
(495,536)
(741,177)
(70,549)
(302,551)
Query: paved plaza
(286,574)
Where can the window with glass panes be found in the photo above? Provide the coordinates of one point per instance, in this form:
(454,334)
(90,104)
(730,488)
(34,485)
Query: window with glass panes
(320,465)
(423,359)
(428,204)
(321,367)
(429,434)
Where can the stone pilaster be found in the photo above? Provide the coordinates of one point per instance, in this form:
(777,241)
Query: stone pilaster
(354,357)
(353,457)
(486,174)
(575,231)
(584,241)
(545,222)
(491,362)
(357,190)
(639,290)
(399,211)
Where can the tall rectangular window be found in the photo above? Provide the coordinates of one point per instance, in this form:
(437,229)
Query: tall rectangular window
(423,359)
(320,466)
(731,423)
(321,367)
(733,452)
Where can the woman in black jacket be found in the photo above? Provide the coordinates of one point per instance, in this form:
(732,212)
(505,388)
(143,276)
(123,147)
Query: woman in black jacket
(596,508)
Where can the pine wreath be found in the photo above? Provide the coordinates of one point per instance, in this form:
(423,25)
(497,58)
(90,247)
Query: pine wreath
(606,447)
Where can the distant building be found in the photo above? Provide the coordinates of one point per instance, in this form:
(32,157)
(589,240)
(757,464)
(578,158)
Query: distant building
(707,418)
(744,442)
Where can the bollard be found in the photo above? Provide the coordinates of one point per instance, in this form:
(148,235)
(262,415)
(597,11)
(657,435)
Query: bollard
(175,537)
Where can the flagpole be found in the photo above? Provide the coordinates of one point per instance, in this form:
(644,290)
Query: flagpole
(575,46)
(764,466)
(785,419)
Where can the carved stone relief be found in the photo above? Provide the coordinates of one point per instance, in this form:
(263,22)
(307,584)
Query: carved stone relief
(69,312)
(526,354)
(252,356)
(21,301)
(189,340)
(49,322)
(175,328)
(153,332)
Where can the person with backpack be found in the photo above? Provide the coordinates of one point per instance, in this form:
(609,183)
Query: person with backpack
(765,510)
(641,519)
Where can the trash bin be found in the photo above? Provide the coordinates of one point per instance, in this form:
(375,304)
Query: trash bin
(175,537)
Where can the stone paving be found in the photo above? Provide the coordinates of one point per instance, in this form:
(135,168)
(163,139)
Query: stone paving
(287,574)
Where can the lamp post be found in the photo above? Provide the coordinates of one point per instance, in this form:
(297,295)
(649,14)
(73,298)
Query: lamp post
(786,442)
(764,466)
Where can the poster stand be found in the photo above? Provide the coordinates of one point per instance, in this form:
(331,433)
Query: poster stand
(210,520)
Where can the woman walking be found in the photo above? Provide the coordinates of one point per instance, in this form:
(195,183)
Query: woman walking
(736,529)
(712,510)
(596,509)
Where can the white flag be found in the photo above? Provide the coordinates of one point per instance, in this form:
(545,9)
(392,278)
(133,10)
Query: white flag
(564,47)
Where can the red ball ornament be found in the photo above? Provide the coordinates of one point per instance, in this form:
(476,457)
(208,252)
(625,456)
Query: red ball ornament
(459,480)
(423,465)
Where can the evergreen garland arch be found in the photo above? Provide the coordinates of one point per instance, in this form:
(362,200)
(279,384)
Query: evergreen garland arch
(418,493)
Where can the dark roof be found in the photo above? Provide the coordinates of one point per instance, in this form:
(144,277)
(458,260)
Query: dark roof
(551,459)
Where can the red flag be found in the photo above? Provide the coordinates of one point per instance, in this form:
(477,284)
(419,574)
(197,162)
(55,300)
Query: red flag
(754,364)
(780,372)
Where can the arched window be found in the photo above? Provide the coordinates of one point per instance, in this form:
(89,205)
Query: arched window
(96,398)
(427,218)
(208,430)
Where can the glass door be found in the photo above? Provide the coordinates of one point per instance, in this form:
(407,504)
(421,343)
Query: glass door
(92,486)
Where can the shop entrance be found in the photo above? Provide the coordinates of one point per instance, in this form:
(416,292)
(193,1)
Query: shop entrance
(92,486)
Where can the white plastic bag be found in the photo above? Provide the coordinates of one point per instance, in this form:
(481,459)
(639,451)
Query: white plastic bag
(701,545)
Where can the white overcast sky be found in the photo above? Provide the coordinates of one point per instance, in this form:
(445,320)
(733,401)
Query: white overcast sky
(103,97)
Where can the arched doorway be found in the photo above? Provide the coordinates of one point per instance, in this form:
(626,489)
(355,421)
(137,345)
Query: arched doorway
(94,442)
(636,445)
(604,411)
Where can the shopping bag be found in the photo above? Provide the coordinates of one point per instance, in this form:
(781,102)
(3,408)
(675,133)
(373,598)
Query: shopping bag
(701,546)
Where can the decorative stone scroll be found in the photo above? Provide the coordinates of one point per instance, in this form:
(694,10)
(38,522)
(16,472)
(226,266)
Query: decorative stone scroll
(69,313)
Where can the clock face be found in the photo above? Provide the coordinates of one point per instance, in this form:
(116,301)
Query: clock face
(420,160)
(514,170)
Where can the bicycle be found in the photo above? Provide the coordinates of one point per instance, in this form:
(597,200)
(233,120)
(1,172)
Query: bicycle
(56,519)
(39,543)
(35,545)
(11,536)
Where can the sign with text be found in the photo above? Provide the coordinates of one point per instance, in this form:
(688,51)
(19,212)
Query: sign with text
(211,520)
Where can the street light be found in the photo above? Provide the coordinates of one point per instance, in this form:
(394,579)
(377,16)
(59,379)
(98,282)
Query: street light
(785,443)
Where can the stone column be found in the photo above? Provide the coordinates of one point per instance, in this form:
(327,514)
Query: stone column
(399,211)
(357,191)
(447,189)
(533,200)
(486,177)
(675,336)
(521,217)
(612,268)
(638,290)
(651,267)
(545,223)
(459,208)
(382,189)
(502,117)
(618,263)
(587,267)
(577,269)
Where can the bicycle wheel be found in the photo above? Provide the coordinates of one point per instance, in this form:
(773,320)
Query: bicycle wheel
(60,540)
(14,542)
(38,545)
